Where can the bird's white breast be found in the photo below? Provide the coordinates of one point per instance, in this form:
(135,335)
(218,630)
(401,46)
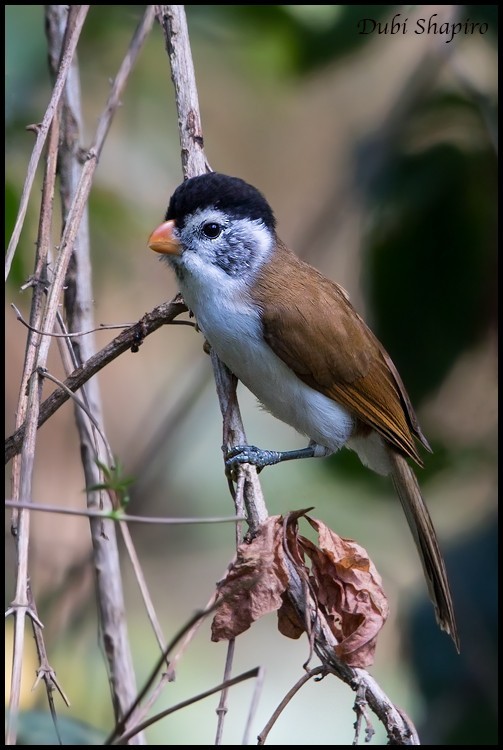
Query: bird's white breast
(233,328)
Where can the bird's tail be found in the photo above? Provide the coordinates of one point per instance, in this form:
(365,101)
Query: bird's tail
(422,529)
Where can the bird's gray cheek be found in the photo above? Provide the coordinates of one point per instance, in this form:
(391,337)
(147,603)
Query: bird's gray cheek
(234,261)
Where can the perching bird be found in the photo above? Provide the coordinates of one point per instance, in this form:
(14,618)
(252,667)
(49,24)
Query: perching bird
(293,338)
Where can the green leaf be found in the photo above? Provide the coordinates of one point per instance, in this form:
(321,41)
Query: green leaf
(114,481)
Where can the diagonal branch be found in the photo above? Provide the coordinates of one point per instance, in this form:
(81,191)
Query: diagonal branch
(42,129)
(130,339)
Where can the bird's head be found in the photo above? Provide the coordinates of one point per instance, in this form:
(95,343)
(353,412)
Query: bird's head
(216,224)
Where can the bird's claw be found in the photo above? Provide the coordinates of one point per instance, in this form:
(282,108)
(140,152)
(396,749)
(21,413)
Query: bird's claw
(249,454)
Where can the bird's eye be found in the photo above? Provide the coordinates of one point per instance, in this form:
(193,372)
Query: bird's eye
(212,230)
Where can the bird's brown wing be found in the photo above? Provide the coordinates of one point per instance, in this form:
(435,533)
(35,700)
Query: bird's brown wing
(329,347)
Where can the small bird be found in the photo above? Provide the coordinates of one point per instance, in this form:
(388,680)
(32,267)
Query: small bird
(293,338)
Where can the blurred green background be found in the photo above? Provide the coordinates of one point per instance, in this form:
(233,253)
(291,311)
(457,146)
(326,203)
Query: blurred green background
(378,154)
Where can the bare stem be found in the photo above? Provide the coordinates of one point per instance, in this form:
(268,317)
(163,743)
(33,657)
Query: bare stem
(75,267)
(28,408)
(222,707)
(43,128)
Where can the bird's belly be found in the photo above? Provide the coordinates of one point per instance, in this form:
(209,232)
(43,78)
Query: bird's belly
(241,346)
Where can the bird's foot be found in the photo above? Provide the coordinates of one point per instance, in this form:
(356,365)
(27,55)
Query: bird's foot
(250,454)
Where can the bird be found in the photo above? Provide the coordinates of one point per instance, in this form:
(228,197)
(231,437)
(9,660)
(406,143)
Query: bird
(293,338)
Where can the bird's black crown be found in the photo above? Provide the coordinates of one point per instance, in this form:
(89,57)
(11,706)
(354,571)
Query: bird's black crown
(229,194)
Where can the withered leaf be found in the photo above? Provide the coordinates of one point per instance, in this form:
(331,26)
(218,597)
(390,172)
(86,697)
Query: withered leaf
(289,622)
(253,584)
(342,580)
(349,591)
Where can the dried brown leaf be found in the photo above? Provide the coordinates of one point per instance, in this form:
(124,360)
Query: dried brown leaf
(342,581)
(349,590)
(289,622)
(254,582)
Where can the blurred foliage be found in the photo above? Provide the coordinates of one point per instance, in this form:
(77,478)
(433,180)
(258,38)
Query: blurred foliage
(484,14)
(461,690)
(37,728)
(25,47)
(431,259)
(285,40)
(347,464)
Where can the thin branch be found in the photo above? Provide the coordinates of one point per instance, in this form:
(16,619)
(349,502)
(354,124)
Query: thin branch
(119,515)
(74,266)
(183,704)
(130,339)
(83,188)
(78,311)
(45,672)
(78,334)
(80,403)
(42,129)
(174,24)
(170,673)
(119,728)
(28,408)
(221,709)
(259,684)
(68,334)
(248,490)
(286,700)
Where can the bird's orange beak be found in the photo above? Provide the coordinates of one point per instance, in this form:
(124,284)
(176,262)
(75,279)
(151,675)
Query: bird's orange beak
(162,239)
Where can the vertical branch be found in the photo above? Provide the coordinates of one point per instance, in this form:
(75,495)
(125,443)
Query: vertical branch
(174,23)
(400,730)
(42,130)
(28,406)
(78,306)
(29,399)
(249,493)
(43,318)
(85,180)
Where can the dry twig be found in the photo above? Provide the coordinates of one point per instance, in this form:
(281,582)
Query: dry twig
(64,35)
